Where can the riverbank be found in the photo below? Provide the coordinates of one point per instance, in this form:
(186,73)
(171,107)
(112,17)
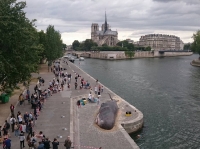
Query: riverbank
(60,117)
(84,130)
(121,55)
(195,63)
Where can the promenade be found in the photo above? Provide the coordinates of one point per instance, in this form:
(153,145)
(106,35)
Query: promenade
(60,117)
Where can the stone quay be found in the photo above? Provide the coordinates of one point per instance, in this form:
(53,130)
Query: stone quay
(60,116)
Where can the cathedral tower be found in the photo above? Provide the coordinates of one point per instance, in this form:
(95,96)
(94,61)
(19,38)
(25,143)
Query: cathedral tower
(94,28)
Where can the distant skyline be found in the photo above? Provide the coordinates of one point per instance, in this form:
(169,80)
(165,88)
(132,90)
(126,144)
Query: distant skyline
(132,19)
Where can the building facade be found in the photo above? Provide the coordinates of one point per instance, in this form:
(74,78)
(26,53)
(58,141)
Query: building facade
(161,42)
(105,35)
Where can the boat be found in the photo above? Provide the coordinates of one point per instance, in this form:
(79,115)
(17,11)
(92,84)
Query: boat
(71,59)
(81,59)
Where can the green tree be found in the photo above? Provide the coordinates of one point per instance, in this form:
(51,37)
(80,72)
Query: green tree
(104,45)
(127,45)
(75,44)
(187,46)
(130,54)
(19,48)
(89,43)
(196,44)
(148,48)
(53,44)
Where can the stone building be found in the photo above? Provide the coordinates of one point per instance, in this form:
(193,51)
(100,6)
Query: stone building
(105,35)
(161,42)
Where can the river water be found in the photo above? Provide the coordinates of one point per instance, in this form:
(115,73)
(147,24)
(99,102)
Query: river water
(165,90)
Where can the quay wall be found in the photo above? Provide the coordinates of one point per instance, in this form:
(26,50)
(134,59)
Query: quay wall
(169,54)
(117,55)
(128,126)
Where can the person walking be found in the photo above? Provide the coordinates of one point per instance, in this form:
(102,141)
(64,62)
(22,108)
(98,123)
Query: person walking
(68,143)
(12,107)
(22,138)
(20,99)
(55,143)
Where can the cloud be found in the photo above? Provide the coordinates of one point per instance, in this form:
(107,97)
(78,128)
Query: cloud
(132,19)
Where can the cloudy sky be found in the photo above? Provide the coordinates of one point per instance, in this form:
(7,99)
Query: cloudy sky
(131,18)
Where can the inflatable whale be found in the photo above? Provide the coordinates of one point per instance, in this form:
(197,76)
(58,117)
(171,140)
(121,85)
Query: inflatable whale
(107,114)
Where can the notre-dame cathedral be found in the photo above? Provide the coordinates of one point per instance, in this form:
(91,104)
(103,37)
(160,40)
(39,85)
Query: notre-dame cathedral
(105,36)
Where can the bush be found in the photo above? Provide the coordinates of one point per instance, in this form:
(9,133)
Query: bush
(8,91)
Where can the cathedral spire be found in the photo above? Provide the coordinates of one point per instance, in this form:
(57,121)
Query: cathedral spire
(106,25)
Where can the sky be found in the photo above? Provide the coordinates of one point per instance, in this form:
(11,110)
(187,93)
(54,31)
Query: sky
(131,18)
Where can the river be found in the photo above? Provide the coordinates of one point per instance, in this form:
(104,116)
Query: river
(166,90)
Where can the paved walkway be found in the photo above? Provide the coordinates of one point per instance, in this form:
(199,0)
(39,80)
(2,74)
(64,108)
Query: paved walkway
(60,117)
(86,133)
(54,117)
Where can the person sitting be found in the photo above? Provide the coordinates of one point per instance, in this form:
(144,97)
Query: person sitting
(90,97)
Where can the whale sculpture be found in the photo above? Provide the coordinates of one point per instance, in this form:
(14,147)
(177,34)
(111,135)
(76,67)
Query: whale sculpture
(107,114)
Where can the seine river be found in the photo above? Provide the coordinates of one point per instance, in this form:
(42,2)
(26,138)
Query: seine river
(165,90)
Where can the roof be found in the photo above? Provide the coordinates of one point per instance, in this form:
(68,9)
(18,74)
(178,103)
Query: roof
(107,32)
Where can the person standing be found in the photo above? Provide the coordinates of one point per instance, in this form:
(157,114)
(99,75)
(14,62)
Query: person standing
(102,88)
(68,143)
(76,84)
(21,138)
(20,118)
(12,122)
(55,143)
(41,145)
(7,125)
(16,127)
(7,143)
(47,143)
(12,109)
(95,89)
(20,99)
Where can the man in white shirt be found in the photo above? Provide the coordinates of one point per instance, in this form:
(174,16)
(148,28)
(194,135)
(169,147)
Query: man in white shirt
(90,97)
(12,122)
(95,89)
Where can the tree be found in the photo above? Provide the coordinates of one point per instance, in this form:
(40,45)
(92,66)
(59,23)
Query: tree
(64,46)
(75,44)
(89,43)
(196,44)
(148,48)
(187,46)
(53,44)
(127,45)
(19,48)
(104,45)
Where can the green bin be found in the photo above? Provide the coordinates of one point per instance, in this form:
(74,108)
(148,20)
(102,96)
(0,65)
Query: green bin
(4,98)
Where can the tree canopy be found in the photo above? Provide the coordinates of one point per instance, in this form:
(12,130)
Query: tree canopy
(19,49)
(196,44)
(86,45)
(127,45)
(21,46)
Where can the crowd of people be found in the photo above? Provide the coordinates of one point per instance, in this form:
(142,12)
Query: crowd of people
(22,125)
